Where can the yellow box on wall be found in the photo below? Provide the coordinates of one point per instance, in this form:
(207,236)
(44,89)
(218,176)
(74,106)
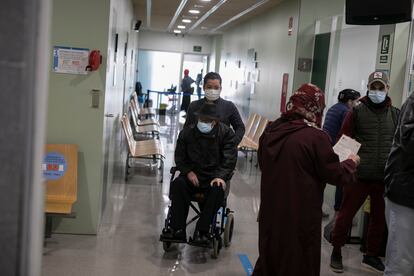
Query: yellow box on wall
(60,170)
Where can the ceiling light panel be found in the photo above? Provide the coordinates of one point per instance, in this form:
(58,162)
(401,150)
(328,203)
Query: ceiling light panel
(194,11)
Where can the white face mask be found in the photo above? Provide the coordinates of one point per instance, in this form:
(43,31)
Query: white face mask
(377,96)
(212,94)
(204,127)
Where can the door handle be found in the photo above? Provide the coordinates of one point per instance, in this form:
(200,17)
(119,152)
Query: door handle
(109,115)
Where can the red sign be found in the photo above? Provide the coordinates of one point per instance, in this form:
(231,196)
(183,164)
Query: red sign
(283,97)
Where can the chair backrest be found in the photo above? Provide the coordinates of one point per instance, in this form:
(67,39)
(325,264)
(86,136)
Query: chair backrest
(134,96)
(250,121)
(260,129)
(128,133)
(254,127)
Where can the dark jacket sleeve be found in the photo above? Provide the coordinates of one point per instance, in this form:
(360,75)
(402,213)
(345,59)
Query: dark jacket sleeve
(327,164)
(190,117)
(181,158)
(237,124)
(348,126)
(405,128)
(229,150)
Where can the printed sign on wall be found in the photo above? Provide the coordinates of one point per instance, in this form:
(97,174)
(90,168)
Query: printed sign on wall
(70,60)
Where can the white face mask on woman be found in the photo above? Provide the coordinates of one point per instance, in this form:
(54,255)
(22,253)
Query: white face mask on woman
(212,94)
(204,127)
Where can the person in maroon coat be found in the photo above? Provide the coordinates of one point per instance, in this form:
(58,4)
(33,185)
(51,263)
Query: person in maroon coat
(296,159)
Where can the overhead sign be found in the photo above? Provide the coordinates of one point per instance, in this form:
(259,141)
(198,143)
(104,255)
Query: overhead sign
(197,49)
(385,44)
(70,60)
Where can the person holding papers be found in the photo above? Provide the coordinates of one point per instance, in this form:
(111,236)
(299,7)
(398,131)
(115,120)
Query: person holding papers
(296,159)
(372,124)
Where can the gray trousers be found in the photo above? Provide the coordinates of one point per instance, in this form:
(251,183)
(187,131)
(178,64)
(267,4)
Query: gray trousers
(400,247)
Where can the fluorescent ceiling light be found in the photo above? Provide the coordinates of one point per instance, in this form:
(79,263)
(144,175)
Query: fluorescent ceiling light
(177,14)
(149,6)
(258,4)
(207,14)
(205,0)
(186,20)
(194,11)
(181,27)
(177,31)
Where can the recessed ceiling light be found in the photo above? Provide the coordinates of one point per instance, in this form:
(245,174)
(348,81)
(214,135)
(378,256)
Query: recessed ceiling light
(194,11)
(177,31)
(205,0)
(198,6)
(186,20)
(204,28)
(181,27)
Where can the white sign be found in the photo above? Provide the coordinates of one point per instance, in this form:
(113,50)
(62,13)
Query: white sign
(70,60)
(345,147)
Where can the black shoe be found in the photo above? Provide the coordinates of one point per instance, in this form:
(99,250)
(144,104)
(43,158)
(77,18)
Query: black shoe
(336,263)
(200,239)
(170,235)
(373,263)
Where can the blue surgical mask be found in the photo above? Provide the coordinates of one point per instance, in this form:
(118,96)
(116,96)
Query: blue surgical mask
(204,127)
(377,96)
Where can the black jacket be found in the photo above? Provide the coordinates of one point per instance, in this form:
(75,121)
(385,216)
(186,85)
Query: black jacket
(229,115)
(207,155)
(399,171)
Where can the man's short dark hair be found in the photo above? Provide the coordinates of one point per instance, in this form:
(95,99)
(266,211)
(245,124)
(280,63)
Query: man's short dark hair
(212,76)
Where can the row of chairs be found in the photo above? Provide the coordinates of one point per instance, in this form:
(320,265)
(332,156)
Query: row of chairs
(255,127)
(143,124)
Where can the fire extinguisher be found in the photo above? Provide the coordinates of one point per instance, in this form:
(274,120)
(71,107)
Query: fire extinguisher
(95,59)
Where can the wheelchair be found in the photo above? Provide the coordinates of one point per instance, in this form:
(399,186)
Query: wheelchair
(221,227)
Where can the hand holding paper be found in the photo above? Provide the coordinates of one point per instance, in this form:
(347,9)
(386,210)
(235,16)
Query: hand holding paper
(347,148)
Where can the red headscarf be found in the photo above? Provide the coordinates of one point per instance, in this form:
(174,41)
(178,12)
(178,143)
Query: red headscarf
(308,102)
(186,72)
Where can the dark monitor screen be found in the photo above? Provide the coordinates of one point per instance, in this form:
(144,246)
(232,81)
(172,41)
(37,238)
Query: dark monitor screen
(378,12)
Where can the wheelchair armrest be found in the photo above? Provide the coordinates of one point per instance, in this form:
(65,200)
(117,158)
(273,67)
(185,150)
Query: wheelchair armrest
(173,170)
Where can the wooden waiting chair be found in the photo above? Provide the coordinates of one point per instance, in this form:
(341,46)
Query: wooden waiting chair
(253,144)
(252,125)
(138,122)
(143,111)
(147,149)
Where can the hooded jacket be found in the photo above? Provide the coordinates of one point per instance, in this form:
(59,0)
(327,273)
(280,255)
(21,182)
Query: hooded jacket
(399,171)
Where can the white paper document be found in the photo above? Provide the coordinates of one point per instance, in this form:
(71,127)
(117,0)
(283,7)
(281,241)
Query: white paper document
(345,147)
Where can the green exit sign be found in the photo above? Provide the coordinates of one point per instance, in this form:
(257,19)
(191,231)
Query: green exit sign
(197,49)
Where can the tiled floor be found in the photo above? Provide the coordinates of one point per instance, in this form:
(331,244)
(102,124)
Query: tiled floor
(127,242)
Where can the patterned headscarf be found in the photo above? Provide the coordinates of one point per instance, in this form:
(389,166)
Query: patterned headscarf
(308,102)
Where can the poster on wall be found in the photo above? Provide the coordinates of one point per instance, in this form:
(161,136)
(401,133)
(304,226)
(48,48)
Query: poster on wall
(70,60)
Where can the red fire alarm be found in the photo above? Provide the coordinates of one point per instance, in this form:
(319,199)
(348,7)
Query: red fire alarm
(95,60)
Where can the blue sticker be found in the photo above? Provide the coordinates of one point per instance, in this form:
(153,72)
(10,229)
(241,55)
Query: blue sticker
(54,166)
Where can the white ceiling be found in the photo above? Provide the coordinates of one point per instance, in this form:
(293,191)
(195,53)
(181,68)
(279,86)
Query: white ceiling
(214,17)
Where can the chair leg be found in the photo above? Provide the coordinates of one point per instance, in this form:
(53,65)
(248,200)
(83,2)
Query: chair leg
(127,168)
(162,170)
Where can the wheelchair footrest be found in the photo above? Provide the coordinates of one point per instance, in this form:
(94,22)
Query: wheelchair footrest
(202,245)
(163,239)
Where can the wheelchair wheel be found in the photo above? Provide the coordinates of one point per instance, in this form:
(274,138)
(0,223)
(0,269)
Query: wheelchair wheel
(168,246)
(228,230)
(216,248)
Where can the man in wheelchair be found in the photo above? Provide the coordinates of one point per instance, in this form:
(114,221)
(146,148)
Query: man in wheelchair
(205,155)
